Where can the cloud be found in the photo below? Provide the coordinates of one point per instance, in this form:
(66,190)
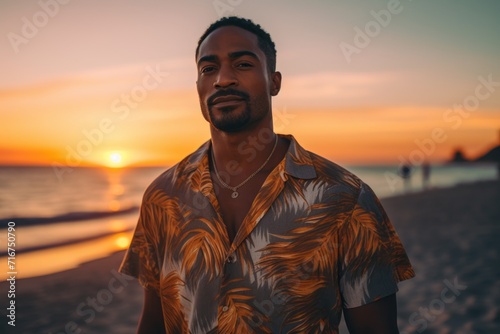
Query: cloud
(327,88)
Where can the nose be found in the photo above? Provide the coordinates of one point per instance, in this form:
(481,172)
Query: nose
(225,78)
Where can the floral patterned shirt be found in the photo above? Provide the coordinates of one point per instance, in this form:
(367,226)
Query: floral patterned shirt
(316,240)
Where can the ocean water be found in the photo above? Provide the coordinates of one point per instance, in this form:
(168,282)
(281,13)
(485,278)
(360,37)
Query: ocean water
(89,213)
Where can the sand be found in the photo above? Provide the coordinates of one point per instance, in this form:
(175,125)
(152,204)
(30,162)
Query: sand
(451,235)
(88,299)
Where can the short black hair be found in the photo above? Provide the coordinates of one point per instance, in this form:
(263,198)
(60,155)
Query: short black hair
(265,42)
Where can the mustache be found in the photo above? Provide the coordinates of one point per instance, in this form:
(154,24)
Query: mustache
(227,92)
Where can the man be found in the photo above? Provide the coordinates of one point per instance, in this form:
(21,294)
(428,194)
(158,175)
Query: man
(253,234)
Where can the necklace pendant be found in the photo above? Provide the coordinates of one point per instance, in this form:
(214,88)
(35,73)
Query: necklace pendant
(234,194)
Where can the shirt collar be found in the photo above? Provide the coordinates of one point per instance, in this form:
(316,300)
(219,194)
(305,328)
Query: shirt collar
(298,162)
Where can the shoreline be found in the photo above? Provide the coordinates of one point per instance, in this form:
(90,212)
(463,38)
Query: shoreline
(68,217)
(450,234)
(67,242)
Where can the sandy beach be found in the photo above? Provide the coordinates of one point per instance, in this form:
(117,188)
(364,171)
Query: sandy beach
(452,237)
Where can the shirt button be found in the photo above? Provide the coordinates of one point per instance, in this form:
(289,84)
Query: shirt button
(231,258)
(225,308)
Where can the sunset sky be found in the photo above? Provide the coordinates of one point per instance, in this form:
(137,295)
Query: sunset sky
(364,82)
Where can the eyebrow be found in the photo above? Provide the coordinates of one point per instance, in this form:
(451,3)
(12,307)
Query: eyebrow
(238,54)
(233,55)
(210,58)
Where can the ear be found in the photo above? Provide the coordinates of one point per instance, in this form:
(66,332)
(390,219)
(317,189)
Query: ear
(275,83)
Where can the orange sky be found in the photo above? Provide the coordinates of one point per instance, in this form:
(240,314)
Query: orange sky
(71,125)
(74,94)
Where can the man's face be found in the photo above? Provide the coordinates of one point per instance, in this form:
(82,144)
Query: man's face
(234,85)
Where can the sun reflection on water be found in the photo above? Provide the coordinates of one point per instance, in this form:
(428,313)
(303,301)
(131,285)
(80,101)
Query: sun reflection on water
(122,240)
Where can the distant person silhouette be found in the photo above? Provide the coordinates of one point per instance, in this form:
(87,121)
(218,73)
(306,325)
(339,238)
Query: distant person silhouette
(405,173)
(426,174)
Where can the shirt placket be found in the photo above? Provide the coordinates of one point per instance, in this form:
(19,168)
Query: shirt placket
(233,272)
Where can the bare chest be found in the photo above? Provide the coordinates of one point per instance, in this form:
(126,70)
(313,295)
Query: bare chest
(234,210)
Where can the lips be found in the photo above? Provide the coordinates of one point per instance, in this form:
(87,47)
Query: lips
(227,99)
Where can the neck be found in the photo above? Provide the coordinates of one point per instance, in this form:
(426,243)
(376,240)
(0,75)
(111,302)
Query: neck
(241,153)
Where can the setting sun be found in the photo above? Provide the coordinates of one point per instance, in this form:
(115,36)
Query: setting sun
(115,160)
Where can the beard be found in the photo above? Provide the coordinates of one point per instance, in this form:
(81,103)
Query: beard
(230,120)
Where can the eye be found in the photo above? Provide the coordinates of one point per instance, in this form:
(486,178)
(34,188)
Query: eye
(207,69)
(244,65)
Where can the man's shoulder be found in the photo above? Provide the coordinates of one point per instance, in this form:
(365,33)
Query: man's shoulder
(341,183)
(173,177)
(334,174)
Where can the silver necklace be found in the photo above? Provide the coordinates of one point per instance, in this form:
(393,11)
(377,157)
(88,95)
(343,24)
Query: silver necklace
(235,188)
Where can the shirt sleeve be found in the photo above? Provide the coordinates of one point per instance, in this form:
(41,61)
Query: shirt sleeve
(141,259)
(373,259)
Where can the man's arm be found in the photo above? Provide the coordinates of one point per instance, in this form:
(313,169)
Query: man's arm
(151,321)
(373,318)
